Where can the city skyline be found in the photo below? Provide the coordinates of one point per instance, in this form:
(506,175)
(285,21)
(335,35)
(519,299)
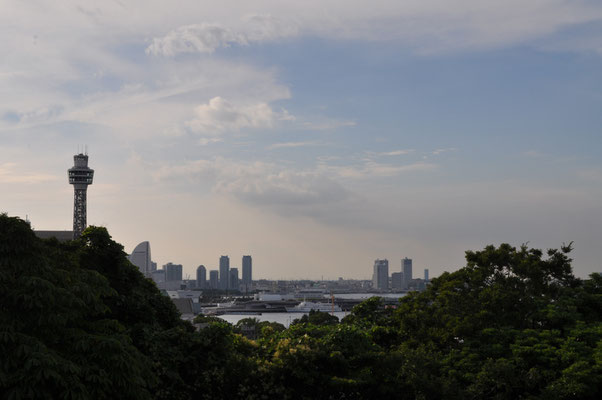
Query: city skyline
(141,257)
(315,141)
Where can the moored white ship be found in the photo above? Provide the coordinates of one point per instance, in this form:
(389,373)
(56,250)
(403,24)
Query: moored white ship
(307,306)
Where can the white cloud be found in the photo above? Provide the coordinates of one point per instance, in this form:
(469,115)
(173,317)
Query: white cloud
(398,152)
(270,183)
(377,169)
(206,38)
(206,141)
(392,153)
(440,151)
(219,115)
(75,62)
(292,144)
(284,188)
(327,124)
(70,70)
(443,26)
(38,115)
(191,170)
(371,169)
(266,27)
(428,26)
(259,183)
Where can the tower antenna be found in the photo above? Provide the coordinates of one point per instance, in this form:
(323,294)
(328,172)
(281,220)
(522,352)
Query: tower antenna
(80,176)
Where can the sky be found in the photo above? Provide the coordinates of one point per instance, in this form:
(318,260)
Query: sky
(316,136)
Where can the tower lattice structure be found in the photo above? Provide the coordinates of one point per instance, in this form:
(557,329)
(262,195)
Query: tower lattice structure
(80,176)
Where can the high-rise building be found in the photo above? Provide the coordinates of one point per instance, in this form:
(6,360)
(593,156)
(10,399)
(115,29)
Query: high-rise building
(247,270)
(201,277)
(224,272)
(406,268)
(233,279)
(396,280)
(213,279)
(380,276)
(173,272)
(80,176)
(141,257)
(426,274)
(159,277)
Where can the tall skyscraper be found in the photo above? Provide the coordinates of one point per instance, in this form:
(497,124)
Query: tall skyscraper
(213,279)
(159,277)
(173,272)
(224,272)
(396,280)
(380,276)
(80,176)
(234,279)
(201,277)
(406,268)
(247,270)
(426,274)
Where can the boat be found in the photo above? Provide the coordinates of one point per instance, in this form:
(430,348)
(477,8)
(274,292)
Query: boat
(307,306)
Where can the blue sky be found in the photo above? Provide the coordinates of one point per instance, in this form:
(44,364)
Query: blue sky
(315,136)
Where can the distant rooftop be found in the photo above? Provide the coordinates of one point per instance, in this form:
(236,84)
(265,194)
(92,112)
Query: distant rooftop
(185,308)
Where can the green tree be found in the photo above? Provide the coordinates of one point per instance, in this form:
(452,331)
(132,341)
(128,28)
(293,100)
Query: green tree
(57,339)
(78,321)
(316,317)
(500,327)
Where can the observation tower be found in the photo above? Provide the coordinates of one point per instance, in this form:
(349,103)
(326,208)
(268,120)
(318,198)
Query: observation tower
(80,176)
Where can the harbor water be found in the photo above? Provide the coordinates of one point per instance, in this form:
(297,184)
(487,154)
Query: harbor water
(286,318)
(283,318)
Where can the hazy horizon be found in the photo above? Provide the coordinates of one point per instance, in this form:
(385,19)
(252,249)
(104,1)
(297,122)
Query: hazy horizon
(314,136)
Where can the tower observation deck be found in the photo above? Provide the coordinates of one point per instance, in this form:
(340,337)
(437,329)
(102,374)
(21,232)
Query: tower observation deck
(80,176)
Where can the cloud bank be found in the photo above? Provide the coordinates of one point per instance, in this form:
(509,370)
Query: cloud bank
(206,37)
(259,183)
(220,115)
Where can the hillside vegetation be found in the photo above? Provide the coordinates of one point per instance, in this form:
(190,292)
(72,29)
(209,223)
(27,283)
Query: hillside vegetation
(78,321)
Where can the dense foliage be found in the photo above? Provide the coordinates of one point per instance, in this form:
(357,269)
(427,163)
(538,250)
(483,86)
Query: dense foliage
(78,321)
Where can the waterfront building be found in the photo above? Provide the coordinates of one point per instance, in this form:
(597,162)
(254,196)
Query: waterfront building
(247,270)
(396,280)
(224,272)
(158,277)
(141,257)
(201,277)
(213,279)
(233,279)
(186,307)
(380,276)
(189,284)
(173,272)
(406,268)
